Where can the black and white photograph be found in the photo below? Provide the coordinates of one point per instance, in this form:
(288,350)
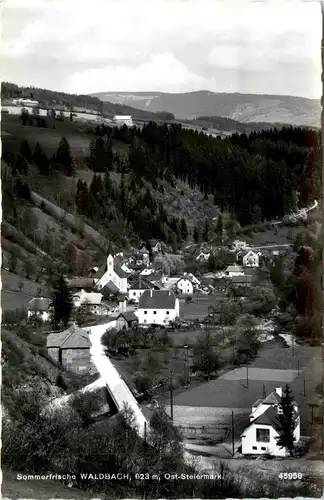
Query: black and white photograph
(162,249)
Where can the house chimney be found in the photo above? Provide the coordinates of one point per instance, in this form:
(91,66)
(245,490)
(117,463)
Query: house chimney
(279,391)
(151,292)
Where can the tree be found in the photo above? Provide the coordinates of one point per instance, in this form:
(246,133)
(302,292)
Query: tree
(197,234)
(206,230)
(24,115)
(40,160)
(183,229)
(62,302)
(219,225)
(25,151)
(206,357)
(63,157)
(286,417)
(70,257)
(29,268)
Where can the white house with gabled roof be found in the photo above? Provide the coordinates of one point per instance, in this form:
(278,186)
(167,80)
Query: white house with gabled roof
(120,120)
(185,285)
(260,437)
(251,259)
(157,307)
(138,288)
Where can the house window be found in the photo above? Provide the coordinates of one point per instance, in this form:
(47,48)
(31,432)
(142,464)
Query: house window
(254,447)
(168,312)
(263,448)
(164,321)
(145,312)
(263,435)
(154,312)
(145,321)
(134,294)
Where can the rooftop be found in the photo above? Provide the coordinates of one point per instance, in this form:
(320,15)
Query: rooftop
(72,338)
(39,304)
(157,299)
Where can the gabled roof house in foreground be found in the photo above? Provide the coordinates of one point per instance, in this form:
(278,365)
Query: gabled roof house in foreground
(71,349)
(259,437)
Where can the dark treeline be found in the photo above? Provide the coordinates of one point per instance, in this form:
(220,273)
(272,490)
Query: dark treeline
(255,176)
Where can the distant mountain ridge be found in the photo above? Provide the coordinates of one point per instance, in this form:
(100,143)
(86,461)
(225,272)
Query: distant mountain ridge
(246,108)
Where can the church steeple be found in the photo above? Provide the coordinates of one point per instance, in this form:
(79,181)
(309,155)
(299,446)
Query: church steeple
(110,249)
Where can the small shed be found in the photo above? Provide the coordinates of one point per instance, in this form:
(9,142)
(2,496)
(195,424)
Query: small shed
(126,320)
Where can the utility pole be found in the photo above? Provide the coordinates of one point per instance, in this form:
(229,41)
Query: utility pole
(322,207)
(171,396)
(233,441)
(298,367)
(304,387)
(247,376)
(264,392)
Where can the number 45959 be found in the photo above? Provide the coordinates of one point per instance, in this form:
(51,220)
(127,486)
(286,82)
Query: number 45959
(290,475)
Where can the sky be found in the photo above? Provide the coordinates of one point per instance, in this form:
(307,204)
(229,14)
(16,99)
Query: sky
(78,46)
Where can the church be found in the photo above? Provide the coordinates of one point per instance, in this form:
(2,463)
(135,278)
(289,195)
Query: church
(112,276)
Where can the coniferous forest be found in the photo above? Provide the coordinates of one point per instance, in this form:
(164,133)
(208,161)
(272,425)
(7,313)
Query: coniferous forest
(255,177)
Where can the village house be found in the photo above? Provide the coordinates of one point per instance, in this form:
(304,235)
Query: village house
(260,436)
(127,319)
(121,120)
(91,302)
(77,284)
(202,257)
(169,283)
(245,280)
(185,286)
(239,245)
(251,259)
(144,254)
(71,349)
(111,274)
(126,268)
(138,288)
(156,246)
(40,307)
(158,307)
(234,270)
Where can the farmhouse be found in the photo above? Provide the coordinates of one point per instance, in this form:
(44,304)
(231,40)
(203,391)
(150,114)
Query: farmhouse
(260,436)
(120,120)
(234,270)
(158,307)
(126,320)
(202,257)
(92,302)
(112,272)
(78,284)
(40,307)
(185,286)
(138,288)
(250,259)
(71,349)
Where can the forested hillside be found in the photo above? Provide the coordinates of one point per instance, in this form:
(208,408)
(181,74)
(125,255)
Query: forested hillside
(254,177)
